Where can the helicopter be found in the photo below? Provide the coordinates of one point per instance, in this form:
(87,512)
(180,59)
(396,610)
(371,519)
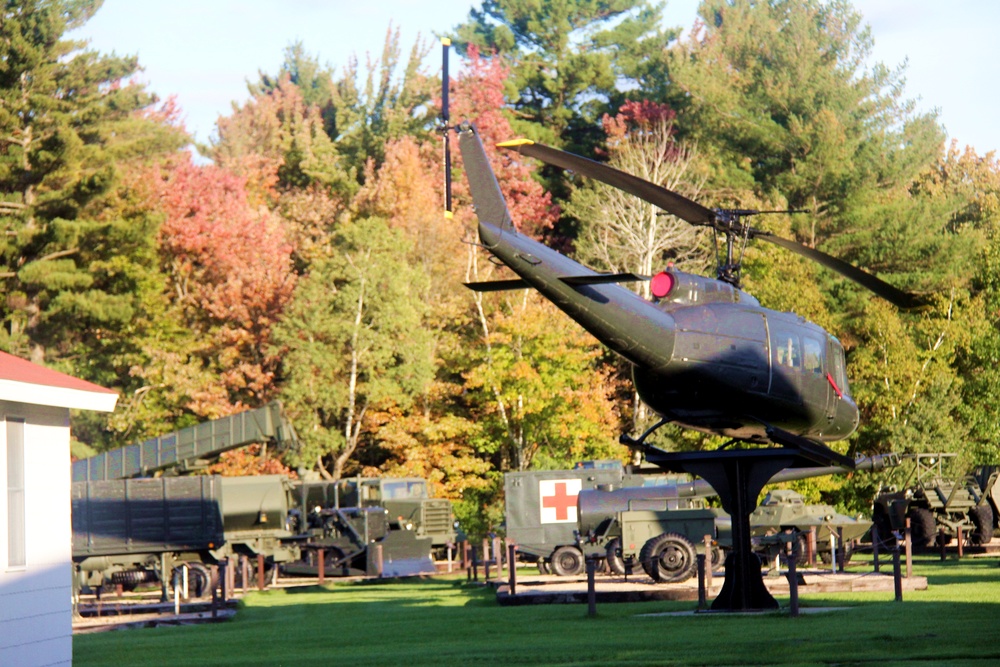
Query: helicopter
(705,354)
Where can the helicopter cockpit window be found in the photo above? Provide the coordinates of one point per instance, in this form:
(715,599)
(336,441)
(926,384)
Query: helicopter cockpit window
(812,359)
(838,365)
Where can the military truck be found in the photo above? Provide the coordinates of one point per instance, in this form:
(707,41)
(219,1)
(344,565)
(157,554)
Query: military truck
(135,531)
(409,503)
(541,509)
(938,502)
(132,531)
(359,541)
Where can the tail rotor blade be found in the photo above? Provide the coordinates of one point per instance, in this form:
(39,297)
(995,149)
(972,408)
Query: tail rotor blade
(445,120)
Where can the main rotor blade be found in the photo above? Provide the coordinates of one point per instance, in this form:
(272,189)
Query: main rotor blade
(445,119)
(893,295)
(669,201)
(697,214)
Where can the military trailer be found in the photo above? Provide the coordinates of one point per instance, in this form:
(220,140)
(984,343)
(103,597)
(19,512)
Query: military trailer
(661,528)
(938,503)
(137,531)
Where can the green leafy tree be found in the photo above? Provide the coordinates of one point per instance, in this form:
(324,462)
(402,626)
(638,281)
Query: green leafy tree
(352,341)
(387,105)
(542,399)
(782,92)
(69,119)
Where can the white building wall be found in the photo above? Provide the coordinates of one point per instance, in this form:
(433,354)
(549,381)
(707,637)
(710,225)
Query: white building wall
(36,600)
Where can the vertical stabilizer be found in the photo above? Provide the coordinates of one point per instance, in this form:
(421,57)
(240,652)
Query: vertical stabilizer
(486,195)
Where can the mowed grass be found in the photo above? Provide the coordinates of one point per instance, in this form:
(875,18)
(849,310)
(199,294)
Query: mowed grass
(447,622)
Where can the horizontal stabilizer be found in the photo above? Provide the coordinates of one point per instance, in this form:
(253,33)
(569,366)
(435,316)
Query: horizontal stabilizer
(593,279)
(603,279)
(497,285)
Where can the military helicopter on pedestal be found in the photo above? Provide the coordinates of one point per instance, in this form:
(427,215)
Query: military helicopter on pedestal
(705,354)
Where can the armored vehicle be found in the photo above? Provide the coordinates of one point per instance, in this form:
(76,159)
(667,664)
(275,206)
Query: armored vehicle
(938,504)
(784,509)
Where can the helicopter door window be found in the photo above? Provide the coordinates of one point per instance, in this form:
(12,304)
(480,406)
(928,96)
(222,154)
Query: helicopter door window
(812,355)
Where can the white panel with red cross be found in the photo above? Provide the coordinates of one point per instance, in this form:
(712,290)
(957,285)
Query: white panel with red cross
(558,499)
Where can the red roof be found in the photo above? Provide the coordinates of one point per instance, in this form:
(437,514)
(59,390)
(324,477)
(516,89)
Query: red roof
(16,369)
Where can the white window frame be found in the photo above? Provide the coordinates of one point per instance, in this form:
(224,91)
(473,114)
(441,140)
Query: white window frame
(14,497)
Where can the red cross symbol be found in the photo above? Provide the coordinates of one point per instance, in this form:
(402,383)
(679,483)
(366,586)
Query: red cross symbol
(561,501)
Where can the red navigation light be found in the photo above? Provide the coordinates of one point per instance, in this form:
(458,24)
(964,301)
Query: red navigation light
(661,284)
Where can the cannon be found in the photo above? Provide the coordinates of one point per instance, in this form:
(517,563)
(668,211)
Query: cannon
(938,503)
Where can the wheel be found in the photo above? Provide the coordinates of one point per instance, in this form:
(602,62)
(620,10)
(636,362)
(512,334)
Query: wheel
(883,527)
(270,572)
(567,561)
(543,567)
(718,558)
(199,579)
(923,528)
(982,518)
(331,556)
(668,558)
(613,553)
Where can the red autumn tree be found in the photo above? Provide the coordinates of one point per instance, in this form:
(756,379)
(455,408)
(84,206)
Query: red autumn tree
(478,97)
(229,265)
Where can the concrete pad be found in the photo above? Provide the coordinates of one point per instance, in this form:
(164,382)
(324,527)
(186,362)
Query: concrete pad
(563,590)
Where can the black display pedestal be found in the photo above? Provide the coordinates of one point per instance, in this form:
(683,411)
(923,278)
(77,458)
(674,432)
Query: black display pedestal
(738,476)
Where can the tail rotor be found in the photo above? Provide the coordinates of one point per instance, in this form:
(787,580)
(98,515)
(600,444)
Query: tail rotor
(444,126)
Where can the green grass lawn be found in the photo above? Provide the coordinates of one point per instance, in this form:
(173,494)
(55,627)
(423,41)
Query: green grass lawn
(447,622)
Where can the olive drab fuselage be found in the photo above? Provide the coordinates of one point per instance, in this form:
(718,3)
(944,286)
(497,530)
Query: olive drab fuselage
(704,355)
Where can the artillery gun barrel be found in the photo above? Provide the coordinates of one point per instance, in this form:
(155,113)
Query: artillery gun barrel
(862,464)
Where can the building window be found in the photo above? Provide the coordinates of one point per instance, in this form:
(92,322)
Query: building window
(15,493)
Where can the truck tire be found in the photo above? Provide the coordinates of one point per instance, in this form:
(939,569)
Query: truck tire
(543,567)
(668,558)
(567,561)
(883,527)
(199,579)
(982,518)
(923,528)
(613,553)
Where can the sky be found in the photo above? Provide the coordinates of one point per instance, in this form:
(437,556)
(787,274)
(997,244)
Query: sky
(206,51)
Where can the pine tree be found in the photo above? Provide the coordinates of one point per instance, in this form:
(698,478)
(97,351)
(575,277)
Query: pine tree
(569,59)
(68,118)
